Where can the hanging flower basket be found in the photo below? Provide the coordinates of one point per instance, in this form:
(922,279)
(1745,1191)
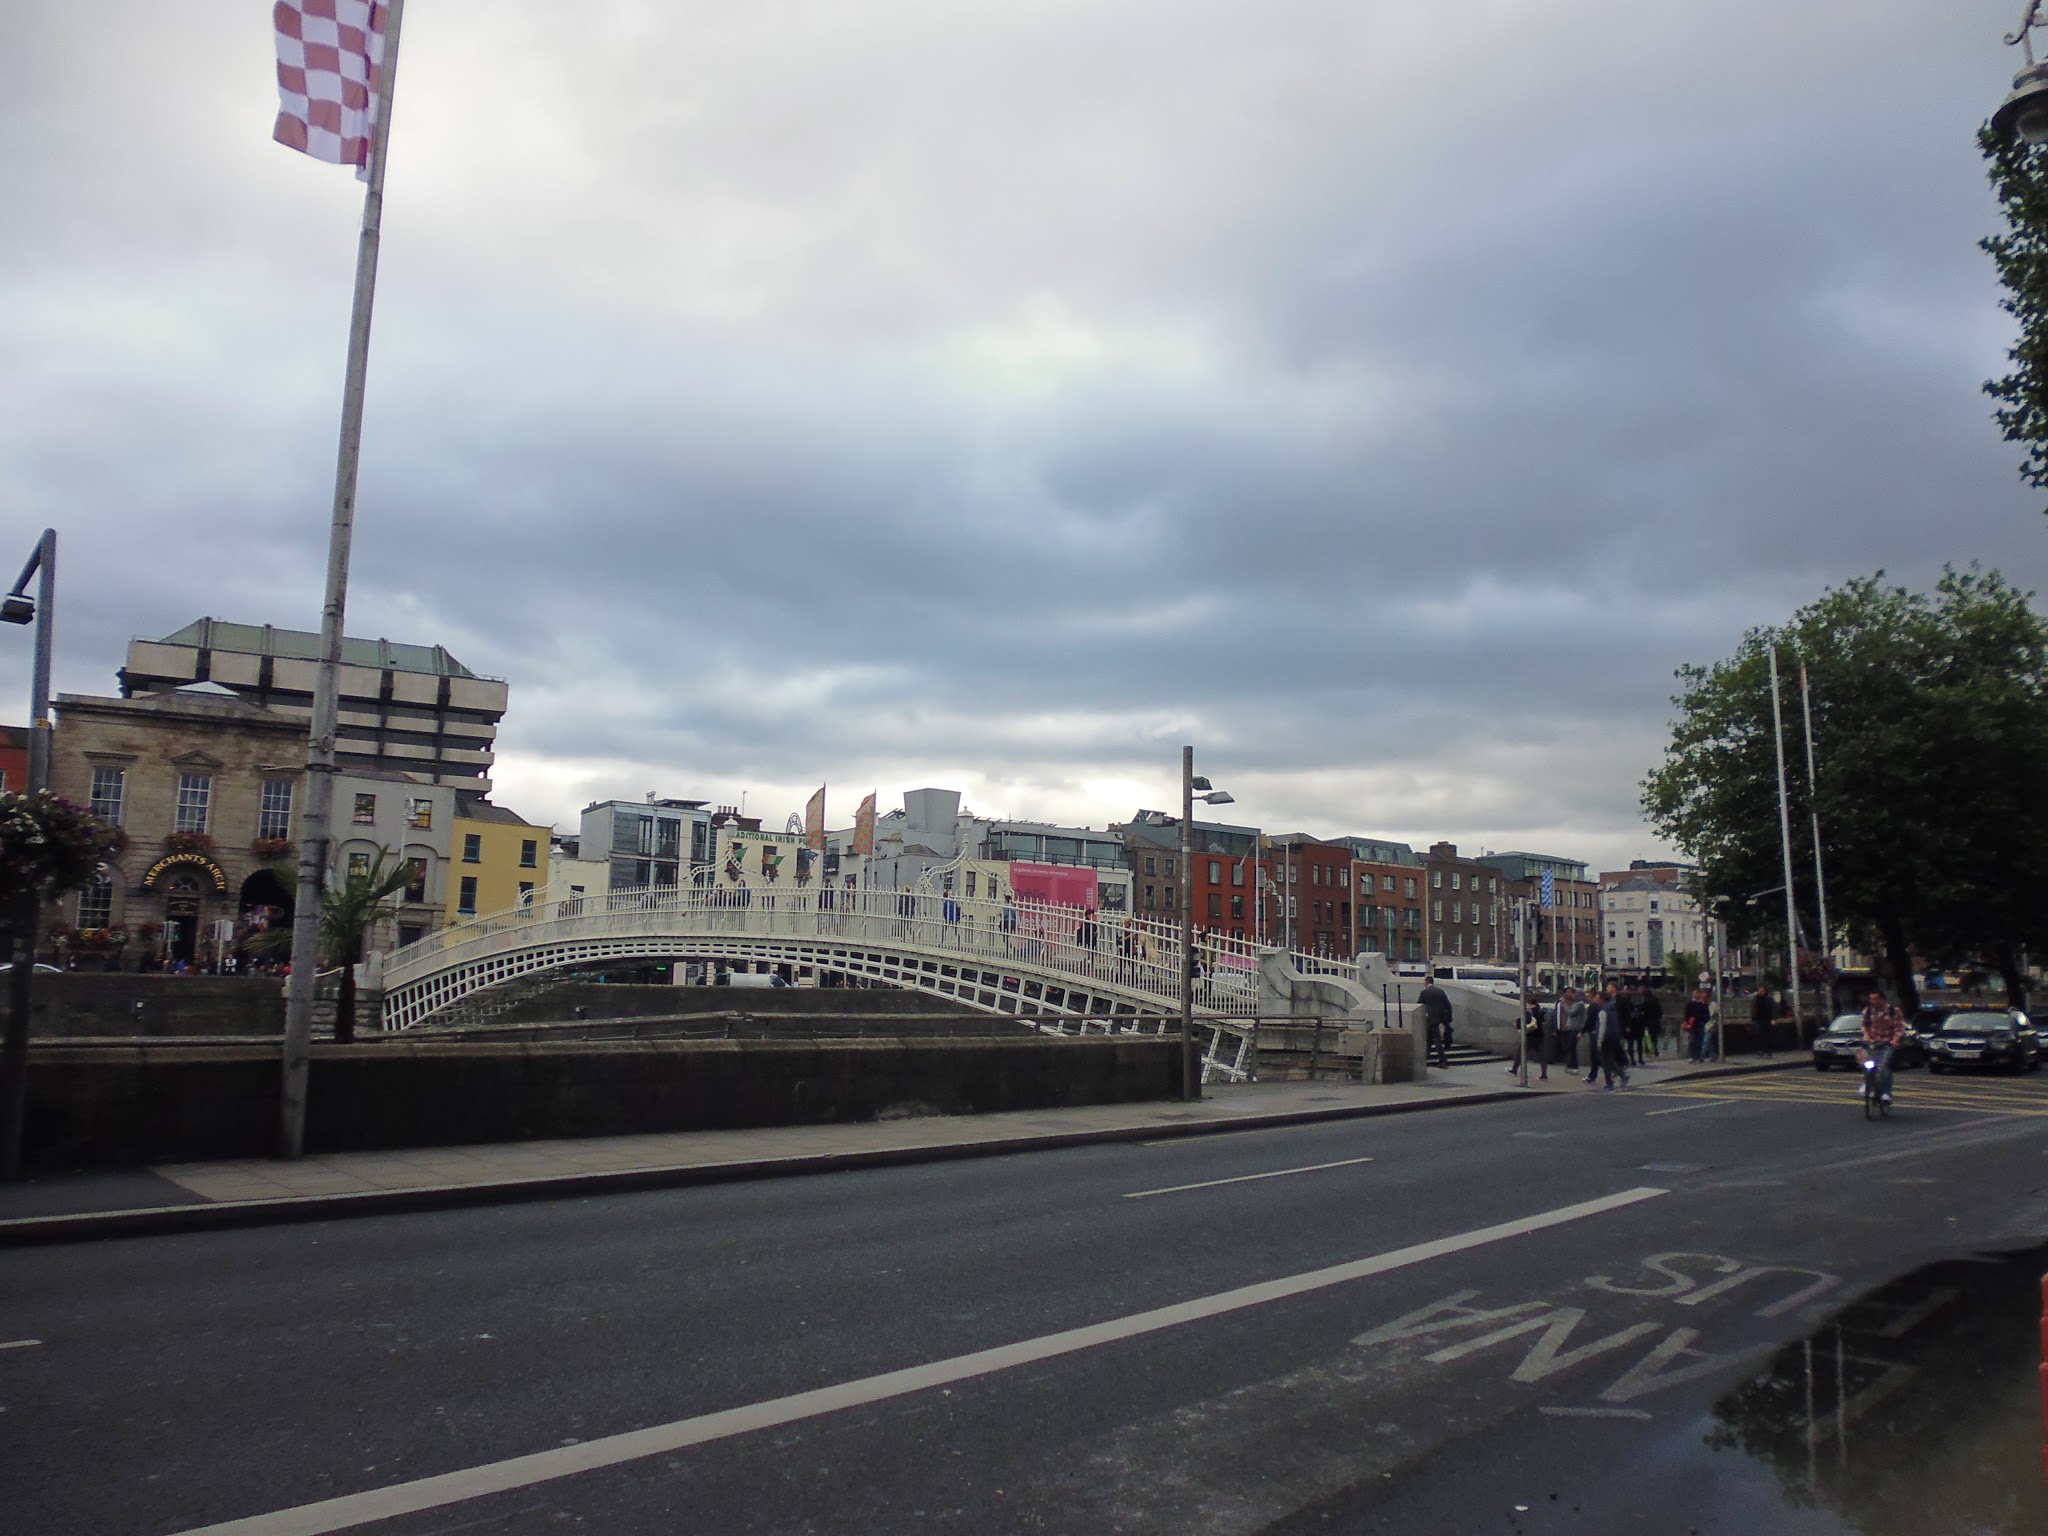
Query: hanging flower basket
(189,842)
(271,847)
(47,845)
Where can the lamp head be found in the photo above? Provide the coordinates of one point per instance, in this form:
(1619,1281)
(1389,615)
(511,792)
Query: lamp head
(1217,797)
(2024,112)
(16,609)
(1198,783)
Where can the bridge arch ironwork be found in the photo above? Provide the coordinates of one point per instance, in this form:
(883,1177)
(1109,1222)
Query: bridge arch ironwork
(1022,958)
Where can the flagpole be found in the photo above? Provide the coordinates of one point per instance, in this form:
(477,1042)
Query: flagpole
(320,767)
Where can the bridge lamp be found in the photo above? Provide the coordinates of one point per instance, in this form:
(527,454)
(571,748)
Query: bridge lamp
(1193,787)
(2024,112)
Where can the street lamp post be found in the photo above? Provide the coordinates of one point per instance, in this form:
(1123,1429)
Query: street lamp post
(1190,1086)
(19,608)
(2024,112)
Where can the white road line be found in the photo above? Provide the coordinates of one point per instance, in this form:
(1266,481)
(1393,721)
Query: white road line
(1688,1108)
(351,1510)
(1595,1413)
(1246,1178)
(21,1344)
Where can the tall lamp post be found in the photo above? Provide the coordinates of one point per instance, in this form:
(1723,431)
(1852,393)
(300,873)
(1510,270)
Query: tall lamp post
(2024,112)
(19,608)
(1191,788)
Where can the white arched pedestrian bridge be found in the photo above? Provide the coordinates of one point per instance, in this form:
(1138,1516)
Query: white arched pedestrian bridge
(1046,963)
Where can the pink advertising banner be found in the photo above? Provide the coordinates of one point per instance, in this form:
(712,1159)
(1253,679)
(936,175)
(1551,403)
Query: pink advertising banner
(1060,884)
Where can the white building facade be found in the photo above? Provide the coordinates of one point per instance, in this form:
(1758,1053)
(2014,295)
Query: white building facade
(1644,921)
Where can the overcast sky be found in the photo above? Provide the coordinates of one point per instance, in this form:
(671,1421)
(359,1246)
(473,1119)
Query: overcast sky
(1383,395)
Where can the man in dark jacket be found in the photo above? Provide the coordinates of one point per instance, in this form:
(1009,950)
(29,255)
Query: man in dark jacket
(1697,1017)
(1436,1012)
(1762,1010)
(1650,1010)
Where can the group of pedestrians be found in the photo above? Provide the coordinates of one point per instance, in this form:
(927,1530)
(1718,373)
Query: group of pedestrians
(1602,1021)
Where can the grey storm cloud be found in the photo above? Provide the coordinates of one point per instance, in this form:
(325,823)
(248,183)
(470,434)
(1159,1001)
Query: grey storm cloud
(1386,397)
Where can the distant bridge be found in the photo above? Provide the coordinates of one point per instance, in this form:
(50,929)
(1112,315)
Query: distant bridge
(996,957)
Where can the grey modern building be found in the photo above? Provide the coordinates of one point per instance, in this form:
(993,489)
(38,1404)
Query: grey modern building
(410,709)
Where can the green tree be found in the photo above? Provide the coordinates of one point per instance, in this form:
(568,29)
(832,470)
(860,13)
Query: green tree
(1931,725)
(348,912)
(2019,175)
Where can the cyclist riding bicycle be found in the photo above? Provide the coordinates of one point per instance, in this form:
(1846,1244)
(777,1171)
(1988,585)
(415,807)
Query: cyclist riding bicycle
(1883,1028)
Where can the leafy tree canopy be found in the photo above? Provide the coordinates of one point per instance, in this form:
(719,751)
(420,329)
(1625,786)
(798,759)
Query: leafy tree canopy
(1930,716)
(2019,175)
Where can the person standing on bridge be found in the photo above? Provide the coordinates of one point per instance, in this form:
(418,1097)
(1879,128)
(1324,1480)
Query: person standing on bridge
(1574,1026)
(1436,1014)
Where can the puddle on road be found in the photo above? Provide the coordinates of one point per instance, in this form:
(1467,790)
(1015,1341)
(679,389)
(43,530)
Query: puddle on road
(1914,1412)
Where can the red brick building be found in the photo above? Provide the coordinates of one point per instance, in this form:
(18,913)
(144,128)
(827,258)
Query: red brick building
(1465,915)
(14,758)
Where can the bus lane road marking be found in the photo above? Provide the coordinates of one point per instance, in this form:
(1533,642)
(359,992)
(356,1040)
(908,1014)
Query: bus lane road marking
(448,1488)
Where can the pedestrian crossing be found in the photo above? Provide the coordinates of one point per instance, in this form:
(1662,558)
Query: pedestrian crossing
(1911,1091)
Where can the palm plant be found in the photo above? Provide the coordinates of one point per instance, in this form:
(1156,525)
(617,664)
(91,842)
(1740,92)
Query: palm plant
(348,912)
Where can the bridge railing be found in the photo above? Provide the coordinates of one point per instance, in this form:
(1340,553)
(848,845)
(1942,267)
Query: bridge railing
(1136,956)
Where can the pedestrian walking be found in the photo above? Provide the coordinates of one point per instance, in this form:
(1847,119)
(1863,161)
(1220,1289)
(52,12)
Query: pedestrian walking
(1651,1008)
(1762,1012)
(1436,1013)
(1697,1017)
(1574,1025)
(1613,1043)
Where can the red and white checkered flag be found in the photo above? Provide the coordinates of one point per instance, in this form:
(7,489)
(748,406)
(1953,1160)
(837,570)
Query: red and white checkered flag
(330,58)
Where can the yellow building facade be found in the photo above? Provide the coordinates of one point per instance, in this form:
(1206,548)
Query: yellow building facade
(496,859)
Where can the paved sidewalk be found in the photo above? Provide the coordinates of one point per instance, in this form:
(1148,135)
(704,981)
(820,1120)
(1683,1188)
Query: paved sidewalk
(193,1196)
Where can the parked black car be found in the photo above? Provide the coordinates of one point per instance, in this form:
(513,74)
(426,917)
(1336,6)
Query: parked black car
(1838,1044)
(1985,1037)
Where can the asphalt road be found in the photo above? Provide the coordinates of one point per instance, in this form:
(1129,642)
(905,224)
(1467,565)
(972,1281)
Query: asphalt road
(1558,1304)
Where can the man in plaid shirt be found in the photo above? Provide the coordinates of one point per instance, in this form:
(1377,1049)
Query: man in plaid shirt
(1883,1028)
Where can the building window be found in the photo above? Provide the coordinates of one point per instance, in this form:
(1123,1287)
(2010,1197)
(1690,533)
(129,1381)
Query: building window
(1151,865)
(1216,904)
(195,794)
(1436,911)
(1436,879)
(107,784)
(1457,881)
(274,809)
(358,865)
(1290,909)
(365,811)
(1458,911)
(1169,869)
(96,901)
(419,813)
(1237,908)
(1172,897)
(1407,887)
(1237,874)
(467,903)
(525,891)
(416,887)
(472,850)
(970,883)
(1215,872)
(529,853)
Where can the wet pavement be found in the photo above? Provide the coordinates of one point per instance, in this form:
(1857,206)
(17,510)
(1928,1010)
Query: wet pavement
(1916,1410)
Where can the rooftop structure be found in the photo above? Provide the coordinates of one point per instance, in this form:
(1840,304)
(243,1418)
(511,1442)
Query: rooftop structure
(408,708)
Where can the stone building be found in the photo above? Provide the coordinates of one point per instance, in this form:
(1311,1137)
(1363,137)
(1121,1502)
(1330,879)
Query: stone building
(207,791)
(204,788)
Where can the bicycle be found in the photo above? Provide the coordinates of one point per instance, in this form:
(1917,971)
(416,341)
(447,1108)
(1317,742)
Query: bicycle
(1875,1104)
